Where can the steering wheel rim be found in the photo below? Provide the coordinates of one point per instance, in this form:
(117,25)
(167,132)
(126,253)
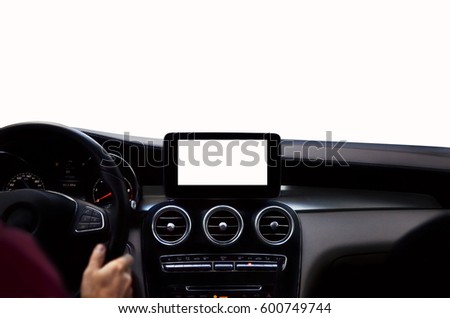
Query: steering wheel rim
(117,215)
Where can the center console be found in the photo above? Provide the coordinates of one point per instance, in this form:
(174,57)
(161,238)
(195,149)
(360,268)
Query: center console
(226,248)
(221,233)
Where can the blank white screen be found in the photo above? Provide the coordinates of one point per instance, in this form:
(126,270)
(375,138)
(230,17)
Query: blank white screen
(222,162)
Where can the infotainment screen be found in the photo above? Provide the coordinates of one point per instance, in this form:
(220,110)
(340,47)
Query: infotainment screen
(222,165)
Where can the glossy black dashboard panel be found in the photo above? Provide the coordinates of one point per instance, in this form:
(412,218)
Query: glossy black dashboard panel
(356,217)
(358,224)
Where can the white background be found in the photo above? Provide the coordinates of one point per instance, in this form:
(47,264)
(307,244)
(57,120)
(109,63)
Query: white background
(371,71)
(340,307)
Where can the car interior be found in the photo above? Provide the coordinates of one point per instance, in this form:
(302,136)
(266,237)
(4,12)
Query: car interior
(322,219)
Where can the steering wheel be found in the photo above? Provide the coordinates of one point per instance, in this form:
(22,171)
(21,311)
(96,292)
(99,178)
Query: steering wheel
(67,228)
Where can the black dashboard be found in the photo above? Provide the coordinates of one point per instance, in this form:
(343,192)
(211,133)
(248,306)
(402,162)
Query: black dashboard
(57,166)
(374,225)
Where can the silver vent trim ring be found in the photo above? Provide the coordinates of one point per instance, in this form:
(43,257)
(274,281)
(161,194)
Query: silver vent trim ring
(223,225)
(171,225)
(274,225)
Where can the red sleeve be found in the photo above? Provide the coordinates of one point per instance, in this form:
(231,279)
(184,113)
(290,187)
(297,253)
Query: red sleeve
(24,269)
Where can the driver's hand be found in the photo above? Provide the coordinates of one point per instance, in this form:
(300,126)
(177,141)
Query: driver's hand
(111,280)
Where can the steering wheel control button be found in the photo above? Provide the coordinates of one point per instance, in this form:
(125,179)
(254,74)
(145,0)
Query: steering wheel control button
(82,227)
(85,218)
(90,220)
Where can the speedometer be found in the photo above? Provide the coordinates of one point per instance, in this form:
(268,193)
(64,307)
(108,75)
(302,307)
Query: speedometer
(103,196)
(25,180)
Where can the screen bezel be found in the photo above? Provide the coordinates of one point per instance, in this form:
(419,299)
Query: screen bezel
(173,190)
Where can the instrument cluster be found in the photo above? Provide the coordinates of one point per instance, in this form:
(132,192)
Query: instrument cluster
(71,173)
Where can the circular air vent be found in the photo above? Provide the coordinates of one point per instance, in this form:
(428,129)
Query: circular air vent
(171,225)
(274,225)
(223,225)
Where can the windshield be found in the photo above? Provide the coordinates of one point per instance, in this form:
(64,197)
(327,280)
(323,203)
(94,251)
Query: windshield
(374,71)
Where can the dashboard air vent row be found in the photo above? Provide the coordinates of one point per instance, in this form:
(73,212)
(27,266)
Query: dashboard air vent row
(274,225)
(223,225)
(171,225)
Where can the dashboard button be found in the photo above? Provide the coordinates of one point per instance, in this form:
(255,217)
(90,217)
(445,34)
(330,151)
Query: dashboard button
(249,266)
(197,267)
(188,267)
(173,267)
(223,266)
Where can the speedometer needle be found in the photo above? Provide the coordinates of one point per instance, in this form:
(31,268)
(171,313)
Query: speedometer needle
(103,197)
